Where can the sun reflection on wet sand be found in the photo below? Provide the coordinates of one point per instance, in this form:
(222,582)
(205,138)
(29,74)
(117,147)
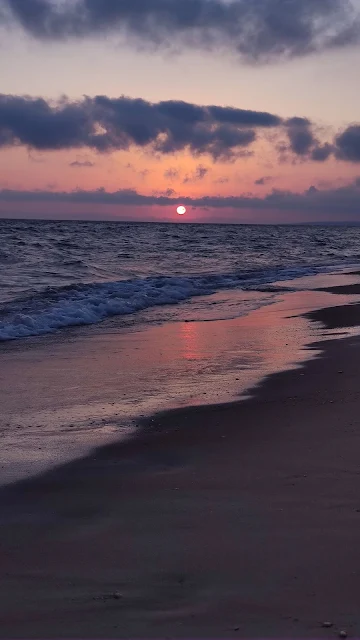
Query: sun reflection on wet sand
(190,337)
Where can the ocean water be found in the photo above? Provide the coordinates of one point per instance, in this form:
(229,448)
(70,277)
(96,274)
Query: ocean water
(56,275)
(102,324)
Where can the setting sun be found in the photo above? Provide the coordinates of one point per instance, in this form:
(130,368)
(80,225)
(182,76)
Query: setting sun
(181,210)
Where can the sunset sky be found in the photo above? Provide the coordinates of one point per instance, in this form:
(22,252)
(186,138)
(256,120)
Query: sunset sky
(241,110)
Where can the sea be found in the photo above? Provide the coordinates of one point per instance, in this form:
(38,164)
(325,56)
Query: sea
(56,275)
(104,324)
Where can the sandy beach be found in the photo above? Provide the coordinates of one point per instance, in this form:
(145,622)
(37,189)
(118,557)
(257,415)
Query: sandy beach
(236,520)
(65,394)
(179,319)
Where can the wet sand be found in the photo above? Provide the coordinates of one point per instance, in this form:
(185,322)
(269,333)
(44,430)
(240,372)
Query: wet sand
(338,317)
(340,290)
(238,520)
(63,395)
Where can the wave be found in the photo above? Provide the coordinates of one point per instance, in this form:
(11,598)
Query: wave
(6,257)
(86,304)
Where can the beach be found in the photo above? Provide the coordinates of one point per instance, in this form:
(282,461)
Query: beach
(66,393)
(228,520)
(179,319)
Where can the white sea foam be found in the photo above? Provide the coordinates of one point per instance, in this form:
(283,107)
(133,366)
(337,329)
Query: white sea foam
(89,304)
(83,305)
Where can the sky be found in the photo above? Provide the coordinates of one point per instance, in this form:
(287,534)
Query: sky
(242,111)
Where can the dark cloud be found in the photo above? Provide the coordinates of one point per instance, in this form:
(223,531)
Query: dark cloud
(244,117)
(303,142)
(343,201)
(201,172)
(168,193)
(197,175)
(300,135)
(106,124)
(348,144)
(298,122)
(39,125)
(257,30)
(172,173)
(322,152)
(263,180)
(81,163)
(221,180)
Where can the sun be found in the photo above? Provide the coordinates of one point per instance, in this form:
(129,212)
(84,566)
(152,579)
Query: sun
(181,210)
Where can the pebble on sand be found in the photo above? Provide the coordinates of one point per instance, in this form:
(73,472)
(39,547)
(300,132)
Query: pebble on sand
(343,634)
(327,624)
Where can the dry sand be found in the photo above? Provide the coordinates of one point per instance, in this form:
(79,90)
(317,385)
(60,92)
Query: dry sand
(228,521)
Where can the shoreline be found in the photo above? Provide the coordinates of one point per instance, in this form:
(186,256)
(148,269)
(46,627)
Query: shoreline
(154,427)
(82,391)
(235,520)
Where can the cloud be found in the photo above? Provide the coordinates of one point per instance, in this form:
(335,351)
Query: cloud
(105,125)
(303,142)
(81,163)
(108,124)
(197,175)
(300,135)
(331,203)
(255,30)
(263,180)
(172,173)
(244,117)
(321,153)
(167,193)
(348,144)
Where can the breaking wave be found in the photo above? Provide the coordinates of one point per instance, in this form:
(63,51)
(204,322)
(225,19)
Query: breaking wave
(58,308)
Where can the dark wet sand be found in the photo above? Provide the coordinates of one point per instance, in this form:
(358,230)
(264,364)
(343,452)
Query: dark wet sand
(338,317)
(227,521)
(343,289)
